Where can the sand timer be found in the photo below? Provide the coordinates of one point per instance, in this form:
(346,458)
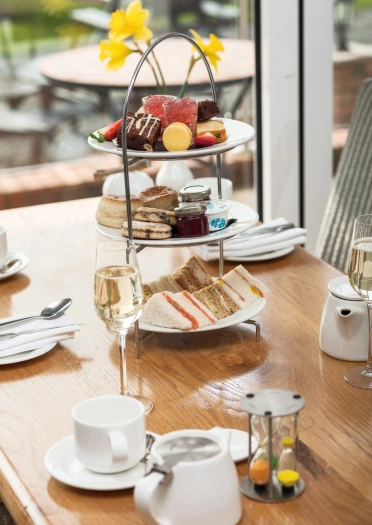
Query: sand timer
(273,420)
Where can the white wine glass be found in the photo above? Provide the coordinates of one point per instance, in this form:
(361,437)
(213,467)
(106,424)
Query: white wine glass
(118,297)
(360,278)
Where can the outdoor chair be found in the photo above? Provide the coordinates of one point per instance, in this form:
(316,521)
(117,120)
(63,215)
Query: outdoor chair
(351,194)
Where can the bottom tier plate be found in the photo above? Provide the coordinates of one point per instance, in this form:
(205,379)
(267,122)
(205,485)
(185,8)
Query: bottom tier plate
(238,317)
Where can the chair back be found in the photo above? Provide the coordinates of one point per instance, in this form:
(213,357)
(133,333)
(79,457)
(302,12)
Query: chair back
(351,194)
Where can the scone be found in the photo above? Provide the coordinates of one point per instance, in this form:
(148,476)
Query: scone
(156,215)
(112,209)
(160,197)
(148,230)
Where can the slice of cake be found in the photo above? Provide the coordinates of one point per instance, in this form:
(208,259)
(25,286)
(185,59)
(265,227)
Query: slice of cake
(142,131)
(214,127)
(207,109)
(216,300)
(192,276)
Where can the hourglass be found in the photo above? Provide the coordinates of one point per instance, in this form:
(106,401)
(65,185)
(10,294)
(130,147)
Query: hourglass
(273,421)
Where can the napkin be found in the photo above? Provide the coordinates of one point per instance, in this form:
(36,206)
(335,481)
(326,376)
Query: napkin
(245,246)
(23,343)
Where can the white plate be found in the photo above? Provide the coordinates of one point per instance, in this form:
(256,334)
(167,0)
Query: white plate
(246,216)
(237,133)
(238,317)
(16,269)
(61,463)
(238,442)
(261,256)
(25,356)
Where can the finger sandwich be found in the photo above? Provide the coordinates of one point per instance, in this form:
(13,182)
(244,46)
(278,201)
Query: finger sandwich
(242,287)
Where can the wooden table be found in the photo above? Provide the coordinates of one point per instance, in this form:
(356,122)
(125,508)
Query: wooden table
(195,380)
(81,68)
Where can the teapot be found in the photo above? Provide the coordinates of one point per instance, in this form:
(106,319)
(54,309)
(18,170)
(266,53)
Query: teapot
(344,324)
(193,479)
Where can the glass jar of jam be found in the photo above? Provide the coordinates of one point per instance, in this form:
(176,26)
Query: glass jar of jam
(192,220)
(195,193)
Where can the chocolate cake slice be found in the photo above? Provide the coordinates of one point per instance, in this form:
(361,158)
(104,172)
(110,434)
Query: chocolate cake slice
(207,109)
(143,131)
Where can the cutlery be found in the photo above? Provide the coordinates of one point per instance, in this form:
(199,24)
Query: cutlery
(11,335)
(9,266)
(150,440)
(53,311)
(268,229)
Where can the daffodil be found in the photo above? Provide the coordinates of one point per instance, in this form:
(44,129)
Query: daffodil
(116,51)
(131,22)
(211,49)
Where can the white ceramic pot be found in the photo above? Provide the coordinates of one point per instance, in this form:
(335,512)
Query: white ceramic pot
(174,173)
(344,324)
(138,181)
(203,492)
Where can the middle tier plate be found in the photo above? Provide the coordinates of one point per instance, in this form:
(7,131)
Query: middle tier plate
(246,216)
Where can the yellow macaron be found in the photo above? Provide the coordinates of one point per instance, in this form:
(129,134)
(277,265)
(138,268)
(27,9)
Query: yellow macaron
(177,137)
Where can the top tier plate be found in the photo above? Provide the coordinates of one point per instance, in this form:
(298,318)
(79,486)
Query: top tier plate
(237,133)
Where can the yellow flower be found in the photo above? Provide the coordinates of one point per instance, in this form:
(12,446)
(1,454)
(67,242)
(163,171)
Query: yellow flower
(130,22)
(211,49)
(115,51)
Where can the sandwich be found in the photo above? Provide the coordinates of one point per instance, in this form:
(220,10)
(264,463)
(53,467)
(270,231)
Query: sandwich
(216,300)
(192,276)
(165,283)
(242,287)
(180,311)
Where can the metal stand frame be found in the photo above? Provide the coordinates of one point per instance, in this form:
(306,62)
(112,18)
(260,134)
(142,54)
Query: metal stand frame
(127,163)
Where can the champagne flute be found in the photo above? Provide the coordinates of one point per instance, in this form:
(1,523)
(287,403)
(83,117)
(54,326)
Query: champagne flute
(118,297)
(360,278)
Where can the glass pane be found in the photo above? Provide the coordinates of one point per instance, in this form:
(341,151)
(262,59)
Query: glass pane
(46,121)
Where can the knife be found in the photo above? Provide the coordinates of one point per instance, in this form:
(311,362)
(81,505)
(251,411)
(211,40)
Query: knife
(10,335)
(268,229)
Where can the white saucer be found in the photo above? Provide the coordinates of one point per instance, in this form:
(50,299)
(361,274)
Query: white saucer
(25,356)
(238,442)
(17,268)
(261,256)
(61,463)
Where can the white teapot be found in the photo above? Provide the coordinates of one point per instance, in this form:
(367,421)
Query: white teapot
(344,324)
(193,480)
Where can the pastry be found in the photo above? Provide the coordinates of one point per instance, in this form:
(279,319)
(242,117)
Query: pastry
(207,109)
(148,230)
(156,215)
(215,127)
(160,197)
(177,137)
(142,131)
(112,209)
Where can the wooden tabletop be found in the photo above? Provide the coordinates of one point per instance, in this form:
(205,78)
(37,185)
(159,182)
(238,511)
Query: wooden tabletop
(81,67)
(195,380)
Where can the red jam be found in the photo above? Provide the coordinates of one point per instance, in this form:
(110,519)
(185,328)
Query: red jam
(192,221)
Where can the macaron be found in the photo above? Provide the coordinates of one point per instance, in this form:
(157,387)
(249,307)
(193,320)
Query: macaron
(177,137)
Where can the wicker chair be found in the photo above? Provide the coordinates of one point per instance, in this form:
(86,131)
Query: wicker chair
(351,194)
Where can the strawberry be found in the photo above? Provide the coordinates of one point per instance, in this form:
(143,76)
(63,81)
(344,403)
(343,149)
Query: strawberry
(110,132)
(205,140)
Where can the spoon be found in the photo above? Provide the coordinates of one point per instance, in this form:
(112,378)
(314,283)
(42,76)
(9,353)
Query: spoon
(52,311)
(150,440)
(10,265)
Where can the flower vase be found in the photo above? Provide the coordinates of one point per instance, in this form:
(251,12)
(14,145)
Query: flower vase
(174,173)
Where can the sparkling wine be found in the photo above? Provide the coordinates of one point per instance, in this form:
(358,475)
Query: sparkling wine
(360,267)
(118,296)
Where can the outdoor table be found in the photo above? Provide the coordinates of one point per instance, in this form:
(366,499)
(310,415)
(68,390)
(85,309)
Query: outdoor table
(195,380)
(81,68)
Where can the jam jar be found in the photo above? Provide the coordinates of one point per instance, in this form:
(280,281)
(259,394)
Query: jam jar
(195,193)
(192,220)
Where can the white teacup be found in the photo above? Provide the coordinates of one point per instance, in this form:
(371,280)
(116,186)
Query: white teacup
(3,246)
(226,186)
(110,434)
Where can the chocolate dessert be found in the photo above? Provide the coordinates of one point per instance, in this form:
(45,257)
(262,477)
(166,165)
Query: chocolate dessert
(142,131)
(207,109)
